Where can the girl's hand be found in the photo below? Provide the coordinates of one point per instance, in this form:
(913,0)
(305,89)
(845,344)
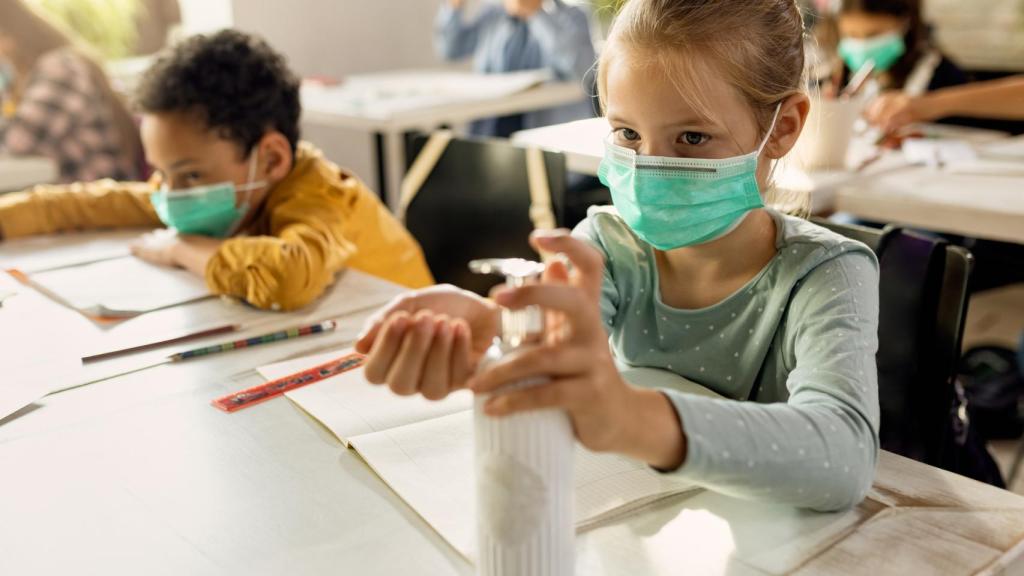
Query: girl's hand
(428,341)
(607,413)
(893,111)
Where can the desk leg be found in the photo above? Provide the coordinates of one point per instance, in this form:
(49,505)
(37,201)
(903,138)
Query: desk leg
(382,177)
(393,167)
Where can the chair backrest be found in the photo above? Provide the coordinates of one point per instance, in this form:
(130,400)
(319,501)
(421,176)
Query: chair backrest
(475,204)
(923,296)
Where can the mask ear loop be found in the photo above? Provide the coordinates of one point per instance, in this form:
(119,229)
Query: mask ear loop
(771,128)
(249,186)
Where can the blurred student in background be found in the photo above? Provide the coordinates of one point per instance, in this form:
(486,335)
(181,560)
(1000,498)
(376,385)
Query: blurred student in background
(58,102)
(893,35)
(520,35)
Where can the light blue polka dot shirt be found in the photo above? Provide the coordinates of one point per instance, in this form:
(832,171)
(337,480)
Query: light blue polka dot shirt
(793,351)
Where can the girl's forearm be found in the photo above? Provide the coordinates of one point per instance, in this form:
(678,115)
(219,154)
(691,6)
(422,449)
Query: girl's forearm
(652,431)
(1001,99)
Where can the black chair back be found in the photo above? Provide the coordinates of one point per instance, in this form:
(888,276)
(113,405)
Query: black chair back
(475,204)
(923,293)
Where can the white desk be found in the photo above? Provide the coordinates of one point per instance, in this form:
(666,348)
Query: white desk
(140,475)
(450,108)
(990,207)
(18,172)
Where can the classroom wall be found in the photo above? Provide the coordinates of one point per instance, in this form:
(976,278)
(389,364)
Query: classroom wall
(199,16)
(342,37)
(980,34)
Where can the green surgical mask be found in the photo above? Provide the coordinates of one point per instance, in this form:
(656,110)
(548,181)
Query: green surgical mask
(674,202)
(210,210)
(885,50)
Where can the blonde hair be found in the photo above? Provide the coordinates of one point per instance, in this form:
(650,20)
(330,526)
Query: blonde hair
(35,36)
(756,46)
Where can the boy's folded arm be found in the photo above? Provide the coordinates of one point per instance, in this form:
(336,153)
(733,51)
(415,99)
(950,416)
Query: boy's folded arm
(281,272)
(80,206)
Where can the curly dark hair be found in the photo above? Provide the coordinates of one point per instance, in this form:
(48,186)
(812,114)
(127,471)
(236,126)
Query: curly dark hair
(235,82)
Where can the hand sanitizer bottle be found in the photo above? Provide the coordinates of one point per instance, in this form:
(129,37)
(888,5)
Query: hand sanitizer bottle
(524,462)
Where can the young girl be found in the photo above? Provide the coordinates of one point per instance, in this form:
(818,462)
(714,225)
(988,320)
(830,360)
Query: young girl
(893,35)
(690,274)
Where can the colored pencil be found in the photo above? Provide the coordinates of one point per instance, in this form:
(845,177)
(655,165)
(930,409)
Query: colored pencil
(255,341)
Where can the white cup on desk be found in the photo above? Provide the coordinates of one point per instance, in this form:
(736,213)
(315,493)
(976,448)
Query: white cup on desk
(825,141)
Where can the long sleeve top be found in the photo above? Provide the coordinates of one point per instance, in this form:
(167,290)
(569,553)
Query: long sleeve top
(793,352)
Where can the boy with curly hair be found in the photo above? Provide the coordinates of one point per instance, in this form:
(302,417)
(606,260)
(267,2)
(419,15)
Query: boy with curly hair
(258,214)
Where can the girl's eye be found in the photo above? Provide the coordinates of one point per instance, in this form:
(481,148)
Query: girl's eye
(694,138)
(193,177)
(629,134)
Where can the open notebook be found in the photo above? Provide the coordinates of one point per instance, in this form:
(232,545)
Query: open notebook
(424,450)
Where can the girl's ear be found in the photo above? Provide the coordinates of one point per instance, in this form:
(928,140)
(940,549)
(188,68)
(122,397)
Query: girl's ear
(276,157)
(792,117)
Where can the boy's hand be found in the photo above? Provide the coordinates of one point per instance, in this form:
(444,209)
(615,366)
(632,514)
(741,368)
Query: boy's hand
(157,247)
(168,248)
(428,341)
(607,413)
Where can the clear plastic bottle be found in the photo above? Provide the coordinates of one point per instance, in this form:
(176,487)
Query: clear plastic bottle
(524,462)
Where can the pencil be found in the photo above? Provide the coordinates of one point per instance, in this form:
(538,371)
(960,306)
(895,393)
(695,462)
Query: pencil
(255,341)
(193,336)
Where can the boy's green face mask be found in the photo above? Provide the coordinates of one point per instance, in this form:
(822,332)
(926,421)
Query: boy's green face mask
(885,50)
(674,202)
(210,210)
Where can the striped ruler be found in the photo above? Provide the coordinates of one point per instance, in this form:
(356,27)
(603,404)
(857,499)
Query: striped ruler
(266,391)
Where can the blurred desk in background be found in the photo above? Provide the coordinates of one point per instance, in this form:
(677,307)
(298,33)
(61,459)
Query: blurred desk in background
(391,104)
(18,172)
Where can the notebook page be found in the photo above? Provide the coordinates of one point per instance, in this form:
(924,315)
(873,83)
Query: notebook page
(348,405)
(429,464)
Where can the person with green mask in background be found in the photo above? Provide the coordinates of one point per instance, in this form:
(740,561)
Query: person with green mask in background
(892,35)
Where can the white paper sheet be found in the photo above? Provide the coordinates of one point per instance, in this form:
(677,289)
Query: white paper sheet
(1007,149)
(39,253)
(29,377)
(938,152)
(121,287)
(353,292)
(348,405)
(33,362)
(429,464)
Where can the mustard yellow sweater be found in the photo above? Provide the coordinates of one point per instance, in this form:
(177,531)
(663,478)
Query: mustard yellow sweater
(312,224)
